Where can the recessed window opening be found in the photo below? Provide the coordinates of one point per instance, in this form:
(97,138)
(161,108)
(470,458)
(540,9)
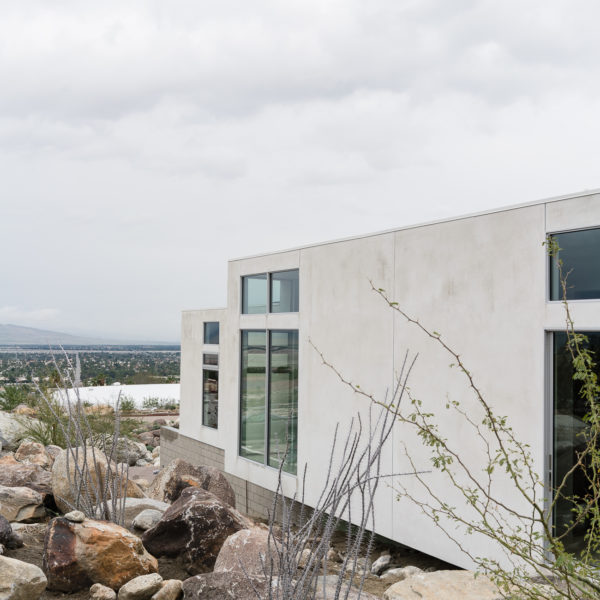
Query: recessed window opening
(269,397)
(210,390)
(580,255)
(211,332)
(569,431)
(276,292)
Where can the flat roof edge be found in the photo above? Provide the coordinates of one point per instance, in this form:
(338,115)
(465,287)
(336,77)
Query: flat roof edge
(492,211)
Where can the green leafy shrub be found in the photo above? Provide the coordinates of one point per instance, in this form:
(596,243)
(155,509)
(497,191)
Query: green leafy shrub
(127,404)
(12,396)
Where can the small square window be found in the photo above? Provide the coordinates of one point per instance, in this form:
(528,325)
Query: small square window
(211,332)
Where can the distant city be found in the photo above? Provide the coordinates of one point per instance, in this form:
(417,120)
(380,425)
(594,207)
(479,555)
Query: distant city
(30,355)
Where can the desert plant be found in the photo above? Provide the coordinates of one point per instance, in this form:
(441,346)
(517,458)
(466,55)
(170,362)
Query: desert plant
(12,396)
(536,564)
(127,404)
(98,491)
(353,476)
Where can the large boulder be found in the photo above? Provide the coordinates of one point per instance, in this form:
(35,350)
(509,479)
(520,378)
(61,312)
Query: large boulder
(217,586)
(76,555)
(16,474)
(63,478)
(12,429)
(34,453)
(20,580)
(21,504)
(194,527)
(179,474)
(247,551)
(450,585)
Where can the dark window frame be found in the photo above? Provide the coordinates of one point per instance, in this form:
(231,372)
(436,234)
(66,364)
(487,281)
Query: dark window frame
(269,283)
(550,268)
(267,433)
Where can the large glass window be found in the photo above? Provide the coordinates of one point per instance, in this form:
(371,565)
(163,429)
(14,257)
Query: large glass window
(254,294)
(211,332)
(253,397)
(580,254)
(210,390)
(569,432)
(283,399)
(284,291)
(269,397)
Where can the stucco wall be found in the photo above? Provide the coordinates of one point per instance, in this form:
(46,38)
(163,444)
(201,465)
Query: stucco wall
(480,281)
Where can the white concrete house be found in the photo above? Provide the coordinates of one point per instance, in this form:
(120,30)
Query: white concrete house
(251,381)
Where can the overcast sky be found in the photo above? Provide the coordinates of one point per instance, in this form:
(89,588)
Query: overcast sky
(143,144)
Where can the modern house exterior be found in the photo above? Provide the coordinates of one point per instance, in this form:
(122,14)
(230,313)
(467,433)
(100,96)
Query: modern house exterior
(252,383)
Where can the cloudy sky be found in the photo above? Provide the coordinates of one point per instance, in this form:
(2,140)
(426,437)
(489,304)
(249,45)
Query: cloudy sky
(145,143)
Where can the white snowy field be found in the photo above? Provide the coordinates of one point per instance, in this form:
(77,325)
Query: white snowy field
(143,396)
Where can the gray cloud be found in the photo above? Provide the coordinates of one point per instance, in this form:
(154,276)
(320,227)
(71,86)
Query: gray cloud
(142,144)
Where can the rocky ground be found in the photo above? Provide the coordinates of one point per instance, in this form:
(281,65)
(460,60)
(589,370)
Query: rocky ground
(181,536)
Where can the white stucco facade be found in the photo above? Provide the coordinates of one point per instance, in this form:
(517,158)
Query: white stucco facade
(481,281)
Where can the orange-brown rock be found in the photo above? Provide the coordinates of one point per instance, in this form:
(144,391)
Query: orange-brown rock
(76,555)
(179,474)
(34,453)
(16,474)
(62,478)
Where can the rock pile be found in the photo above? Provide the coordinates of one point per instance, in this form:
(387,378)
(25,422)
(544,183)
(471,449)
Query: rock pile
(194,528)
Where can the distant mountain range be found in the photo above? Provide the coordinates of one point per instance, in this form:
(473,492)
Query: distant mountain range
(15,334)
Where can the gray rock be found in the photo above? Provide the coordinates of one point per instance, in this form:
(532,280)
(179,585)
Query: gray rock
(218,586)
(101,592)
(141,462)
(170,590)
(12,429)
(449,585)
(8,537)
(147,518)
(247,552)
(194,528)
(134,506)
(20,580)
(76,516)
(382,563)
(141,588)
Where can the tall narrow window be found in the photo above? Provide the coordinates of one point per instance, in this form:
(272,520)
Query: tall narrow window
(253,398)
(283,399)
(269,398)
(284,291)
(210,390)
(211,332)
(580,254)
(254,294)
(569,439)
